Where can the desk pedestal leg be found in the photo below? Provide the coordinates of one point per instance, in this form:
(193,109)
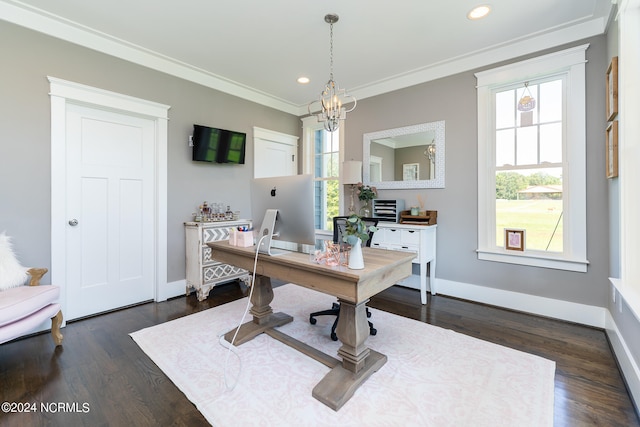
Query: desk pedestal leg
(358,361)
(263,316)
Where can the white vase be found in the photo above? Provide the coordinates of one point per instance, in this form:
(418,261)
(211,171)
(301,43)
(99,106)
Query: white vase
(356,261)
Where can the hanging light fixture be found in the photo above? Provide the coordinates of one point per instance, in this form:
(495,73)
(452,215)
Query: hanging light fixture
(430,151)
(332,99)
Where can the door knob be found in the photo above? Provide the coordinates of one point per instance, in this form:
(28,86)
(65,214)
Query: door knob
(73,222)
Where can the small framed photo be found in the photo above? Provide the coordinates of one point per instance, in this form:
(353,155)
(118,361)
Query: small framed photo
(514,239)
(410,171)
(612,89)
(611,154)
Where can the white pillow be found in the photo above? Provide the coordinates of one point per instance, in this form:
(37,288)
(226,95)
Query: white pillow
(12,273)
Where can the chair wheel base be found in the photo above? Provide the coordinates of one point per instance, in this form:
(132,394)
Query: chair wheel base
(335,311)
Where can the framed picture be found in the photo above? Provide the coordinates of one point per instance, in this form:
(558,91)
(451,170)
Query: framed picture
(514,239)
(611,154)
(612,89)
(410,171)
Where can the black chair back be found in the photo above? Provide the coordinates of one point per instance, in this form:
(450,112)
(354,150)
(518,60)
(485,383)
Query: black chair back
(340,223)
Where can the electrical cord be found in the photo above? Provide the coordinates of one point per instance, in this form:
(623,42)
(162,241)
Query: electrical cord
(229,345)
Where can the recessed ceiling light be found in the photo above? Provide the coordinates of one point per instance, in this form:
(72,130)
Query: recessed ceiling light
(303,80)
(479,12)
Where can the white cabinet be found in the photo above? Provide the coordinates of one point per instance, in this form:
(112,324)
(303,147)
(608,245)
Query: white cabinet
(411,238)
(203,273)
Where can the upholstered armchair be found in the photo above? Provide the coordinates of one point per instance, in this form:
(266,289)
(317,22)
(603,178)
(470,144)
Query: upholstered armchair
(24,303)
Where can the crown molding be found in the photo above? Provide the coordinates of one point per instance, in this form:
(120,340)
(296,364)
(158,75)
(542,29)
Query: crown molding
(38,20)
(54,26)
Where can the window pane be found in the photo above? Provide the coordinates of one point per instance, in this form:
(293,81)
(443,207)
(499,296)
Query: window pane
(527,146)
(326,170)
(505,147)
(531,200)
(333,203)
(333,141)
(505,109)
(330,165)
(327,203)
(551,143)
(550,102)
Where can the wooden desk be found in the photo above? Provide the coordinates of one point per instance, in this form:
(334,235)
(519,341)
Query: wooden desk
(353,288)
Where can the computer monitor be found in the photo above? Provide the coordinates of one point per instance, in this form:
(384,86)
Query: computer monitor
(284,206)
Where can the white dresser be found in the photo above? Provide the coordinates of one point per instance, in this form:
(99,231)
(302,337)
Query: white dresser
(203,273)
(420,239)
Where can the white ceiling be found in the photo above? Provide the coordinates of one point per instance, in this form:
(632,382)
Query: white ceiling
(257,49)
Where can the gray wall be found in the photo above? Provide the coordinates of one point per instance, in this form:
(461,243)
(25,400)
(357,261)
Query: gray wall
(411,155)
(25,202)
(25,138)
(453,99)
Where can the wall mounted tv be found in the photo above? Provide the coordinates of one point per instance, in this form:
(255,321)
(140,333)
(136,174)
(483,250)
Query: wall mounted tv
(218,145)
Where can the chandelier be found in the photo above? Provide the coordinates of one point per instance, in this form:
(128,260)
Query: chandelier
(430,151)
(332,99)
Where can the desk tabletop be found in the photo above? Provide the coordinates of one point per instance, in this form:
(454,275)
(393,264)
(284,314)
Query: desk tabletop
(383,268)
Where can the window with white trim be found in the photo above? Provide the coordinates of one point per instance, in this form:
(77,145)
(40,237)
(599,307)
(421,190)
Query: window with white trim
(531,162)
(321,156)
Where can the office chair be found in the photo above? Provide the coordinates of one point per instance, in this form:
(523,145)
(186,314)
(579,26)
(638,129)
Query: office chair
(339,225)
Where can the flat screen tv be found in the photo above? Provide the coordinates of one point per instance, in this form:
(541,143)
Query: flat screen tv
(218,145)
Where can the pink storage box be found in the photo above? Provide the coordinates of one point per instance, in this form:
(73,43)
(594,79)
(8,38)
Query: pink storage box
(244,238)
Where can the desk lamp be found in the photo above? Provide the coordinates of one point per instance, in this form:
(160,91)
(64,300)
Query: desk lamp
(352,175)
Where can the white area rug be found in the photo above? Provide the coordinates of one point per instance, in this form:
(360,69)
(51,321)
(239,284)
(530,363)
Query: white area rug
(433,376)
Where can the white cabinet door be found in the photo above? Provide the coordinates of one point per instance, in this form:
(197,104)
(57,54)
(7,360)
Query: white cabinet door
(275,154)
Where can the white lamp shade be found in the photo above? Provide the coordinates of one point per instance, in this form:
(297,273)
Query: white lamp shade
(351,172)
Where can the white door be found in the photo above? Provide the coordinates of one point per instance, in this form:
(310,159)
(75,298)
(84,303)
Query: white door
(110,209)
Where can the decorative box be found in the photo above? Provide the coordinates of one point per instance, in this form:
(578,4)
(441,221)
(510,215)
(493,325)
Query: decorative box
(244,239)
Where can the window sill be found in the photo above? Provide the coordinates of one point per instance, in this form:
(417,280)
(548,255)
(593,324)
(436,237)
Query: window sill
(630,295)
(533,260)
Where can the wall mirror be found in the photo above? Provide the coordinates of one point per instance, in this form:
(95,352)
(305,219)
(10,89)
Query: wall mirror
(407,157)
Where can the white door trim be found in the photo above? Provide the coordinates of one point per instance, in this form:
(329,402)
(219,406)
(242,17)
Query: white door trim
(61,92)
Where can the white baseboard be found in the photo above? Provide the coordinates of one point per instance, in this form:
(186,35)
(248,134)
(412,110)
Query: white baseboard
(542,306)
(564,310)
(627,364)
(171,289)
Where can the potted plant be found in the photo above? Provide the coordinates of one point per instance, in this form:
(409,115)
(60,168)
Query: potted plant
(366,193)
(356,232)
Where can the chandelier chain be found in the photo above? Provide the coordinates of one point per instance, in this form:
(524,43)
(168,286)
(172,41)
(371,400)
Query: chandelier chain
(332,99)
(331,51)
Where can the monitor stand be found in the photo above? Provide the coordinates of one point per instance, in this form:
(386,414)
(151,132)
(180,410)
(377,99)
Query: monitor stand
(267,230)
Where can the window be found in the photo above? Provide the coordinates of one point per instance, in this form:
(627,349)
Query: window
(629,157)
(531,161)
(529,167)
(322,158)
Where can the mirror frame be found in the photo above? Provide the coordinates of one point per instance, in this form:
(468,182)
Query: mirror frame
(438,182)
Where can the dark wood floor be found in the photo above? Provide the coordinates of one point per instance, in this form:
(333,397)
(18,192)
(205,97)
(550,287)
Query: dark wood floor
(101,378)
